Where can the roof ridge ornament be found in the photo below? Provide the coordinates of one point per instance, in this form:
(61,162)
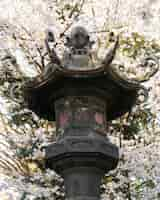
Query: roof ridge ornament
(78,53)
(111,53)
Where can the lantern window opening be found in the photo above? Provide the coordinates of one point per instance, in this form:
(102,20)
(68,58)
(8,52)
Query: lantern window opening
(77,111)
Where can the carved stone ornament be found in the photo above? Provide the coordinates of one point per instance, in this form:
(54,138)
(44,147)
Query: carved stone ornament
(72,76)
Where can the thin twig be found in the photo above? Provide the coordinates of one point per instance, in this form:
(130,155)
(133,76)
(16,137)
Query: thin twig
(73,10)
(4,123)
(37,47)
(116,10)
(77,15)
(26,49)
(37,63)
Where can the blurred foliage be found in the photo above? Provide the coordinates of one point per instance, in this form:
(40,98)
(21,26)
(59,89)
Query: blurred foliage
(139,185)
(131,46)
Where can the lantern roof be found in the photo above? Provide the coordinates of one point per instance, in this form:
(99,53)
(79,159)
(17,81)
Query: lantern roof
(104,82)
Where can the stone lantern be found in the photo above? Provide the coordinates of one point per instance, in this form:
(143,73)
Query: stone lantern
(81,95)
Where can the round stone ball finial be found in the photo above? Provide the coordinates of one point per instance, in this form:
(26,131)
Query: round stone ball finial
(78,54)
(79,38)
